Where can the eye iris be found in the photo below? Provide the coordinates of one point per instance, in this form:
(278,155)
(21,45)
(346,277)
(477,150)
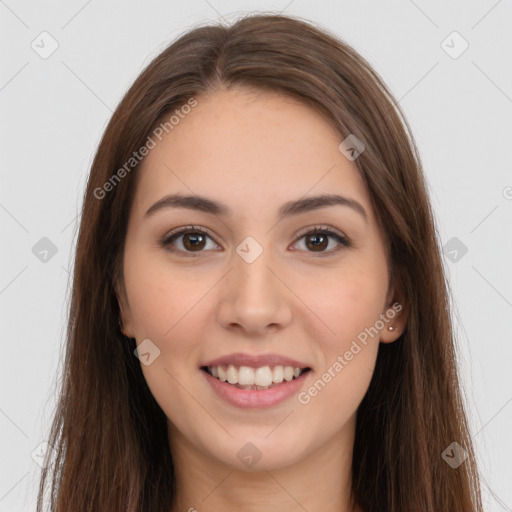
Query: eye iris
(316,237)
(195,237)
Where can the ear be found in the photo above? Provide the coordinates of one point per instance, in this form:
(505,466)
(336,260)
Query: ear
(395,314)
(124,308)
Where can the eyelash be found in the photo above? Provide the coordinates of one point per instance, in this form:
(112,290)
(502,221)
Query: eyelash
(170,237)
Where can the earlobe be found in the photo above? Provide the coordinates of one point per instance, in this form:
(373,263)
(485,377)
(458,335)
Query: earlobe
(124,311)
(390,333)
(396,315)
(124,331)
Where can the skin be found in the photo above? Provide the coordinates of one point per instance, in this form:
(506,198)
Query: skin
(254,151)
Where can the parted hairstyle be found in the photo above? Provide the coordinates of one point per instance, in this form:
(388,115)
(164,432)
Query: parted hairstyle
(110,438)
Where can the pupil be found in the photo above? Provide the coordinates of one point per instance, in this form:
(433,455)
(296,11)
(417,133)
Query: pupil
(316,237)
(194,242)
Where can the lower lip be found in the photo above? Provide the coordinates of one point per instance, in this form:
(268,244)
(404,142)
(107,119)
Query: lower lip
(248,398)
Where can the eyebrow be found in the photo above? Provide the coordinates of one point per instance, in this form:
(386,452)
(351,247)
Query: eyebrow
(289,208)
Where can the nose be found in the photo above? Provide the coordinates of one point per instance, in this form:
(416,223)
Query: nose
(255,299)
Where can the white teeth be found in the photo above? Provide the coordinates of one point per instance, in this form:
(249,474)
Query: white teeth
(288,373)
(263,376)
(232,375)
(247,377)
(222,373)
(278,374)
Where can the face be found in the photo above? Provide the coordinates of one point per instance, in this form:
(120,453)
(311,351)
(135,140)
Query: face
(252,285)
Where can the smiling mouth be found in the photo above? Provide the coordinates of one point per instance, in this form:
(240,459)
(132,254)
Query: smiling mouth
(248,378)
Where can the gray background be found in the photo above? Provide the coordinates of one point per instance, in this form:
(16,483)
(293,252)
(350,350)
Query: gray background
(54,110)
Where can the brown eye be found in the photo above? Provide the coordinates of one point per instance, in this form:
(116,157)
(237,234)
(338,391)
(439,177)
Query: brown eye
(318,240)
(189,240)
(192,241)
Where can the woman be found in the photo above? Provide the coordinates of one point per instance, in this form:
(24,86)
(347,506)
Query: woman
(259,316)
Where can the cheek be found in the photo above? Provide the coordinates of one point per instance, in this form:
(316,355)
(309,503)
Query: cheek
(157,299)
(348,306)
(152,305)
(350,310)
(168,307)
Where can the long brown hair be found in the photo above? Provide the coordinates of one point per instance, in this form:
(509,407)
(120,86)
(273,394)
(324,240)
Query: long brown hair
(109,435)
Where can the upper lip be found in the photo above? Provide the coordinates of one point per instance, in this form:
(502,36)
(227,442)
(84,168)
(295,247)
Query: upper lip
(256,361)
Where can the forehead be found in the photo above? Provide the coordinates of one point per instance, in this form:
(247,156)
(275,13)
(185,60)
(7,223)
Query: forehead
(249,149)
